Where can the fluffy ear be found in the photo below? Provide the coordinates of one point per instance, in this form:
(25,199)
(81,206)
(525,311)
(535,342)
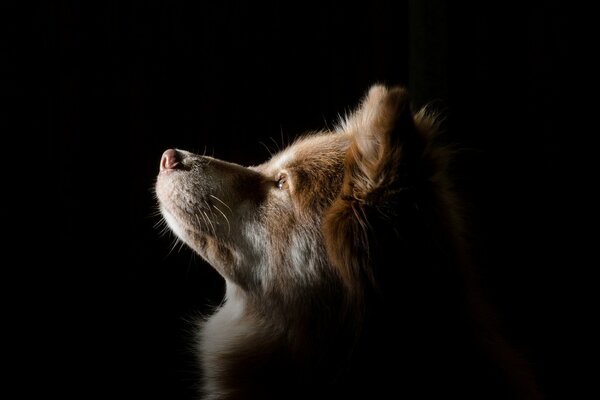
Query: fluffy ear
(384,135)
(378,164)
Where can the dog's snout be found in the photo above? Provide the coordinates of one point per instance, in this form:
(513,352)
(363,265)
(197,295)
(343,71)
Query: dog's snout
(170,159)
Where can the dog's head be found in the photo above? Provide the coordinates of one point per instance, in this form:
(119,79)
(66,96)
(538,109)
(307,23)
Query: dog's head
(258,226)
(300,217)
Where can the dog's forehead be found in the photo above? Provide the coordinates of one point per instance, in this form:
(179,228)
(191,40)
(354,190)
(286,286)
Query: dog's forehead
(325,145)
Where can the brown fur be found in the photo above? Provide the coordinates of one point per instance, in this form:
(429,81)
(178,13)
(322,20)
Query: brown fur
(346,267)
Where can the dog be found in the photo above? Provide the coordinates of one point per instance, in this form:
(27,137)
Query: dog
(345,265)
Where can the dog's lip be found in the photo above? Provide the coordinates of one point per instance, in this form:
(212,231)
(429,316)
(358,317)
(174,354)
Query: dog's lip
(164,172)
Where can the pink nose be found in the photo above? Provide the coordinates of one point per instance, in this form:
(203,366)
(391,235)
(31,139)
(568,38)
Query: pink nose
(169,160)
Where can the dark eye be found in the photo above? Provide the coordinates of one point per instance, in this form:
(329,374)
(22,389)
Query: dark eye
(281,182)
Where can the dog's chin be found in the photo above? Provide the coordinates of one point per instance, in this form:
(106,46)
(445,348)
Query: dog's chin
(174,224)
(191,235)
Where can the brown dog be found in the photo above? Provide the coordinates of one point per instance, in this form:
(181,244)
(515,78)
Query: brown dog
(345,267)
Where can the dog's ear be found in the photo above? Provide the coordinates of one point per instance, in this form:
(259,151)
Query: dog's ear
(384,136)
(378,165)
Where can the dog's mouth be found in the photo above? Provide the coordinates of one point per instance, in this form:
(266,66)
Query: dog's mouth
(186,198)
(177,211)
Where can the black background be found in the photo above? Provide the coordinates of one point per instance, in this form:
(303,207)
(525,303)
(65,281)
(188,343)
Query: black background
(110,85)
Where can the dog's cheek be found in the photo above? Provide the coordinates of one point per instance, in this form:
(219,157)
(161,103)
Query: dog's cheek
(224,256)
(213,250)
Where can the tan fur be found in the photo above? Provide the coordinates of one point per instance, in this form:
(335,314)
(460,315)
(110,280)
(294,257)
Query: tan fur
(324,249)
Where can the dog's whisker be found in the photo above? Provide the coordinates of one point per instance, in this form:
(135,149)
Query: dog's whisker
(266,147)
(222,202)
(200,222)
(173,245)
(276,144)
(214,231)
(226,219)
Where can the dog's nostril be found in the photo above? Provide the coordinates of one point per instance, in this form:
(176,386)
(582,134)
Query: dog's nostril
(169,160)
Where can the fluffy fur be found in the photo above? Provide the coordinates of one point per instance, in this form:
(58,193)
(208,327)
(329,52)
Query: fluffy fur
(345,266)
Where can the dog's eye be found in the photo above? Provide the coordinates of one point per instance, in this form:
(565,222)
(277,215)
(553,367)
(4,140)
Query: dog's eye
(281,182)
